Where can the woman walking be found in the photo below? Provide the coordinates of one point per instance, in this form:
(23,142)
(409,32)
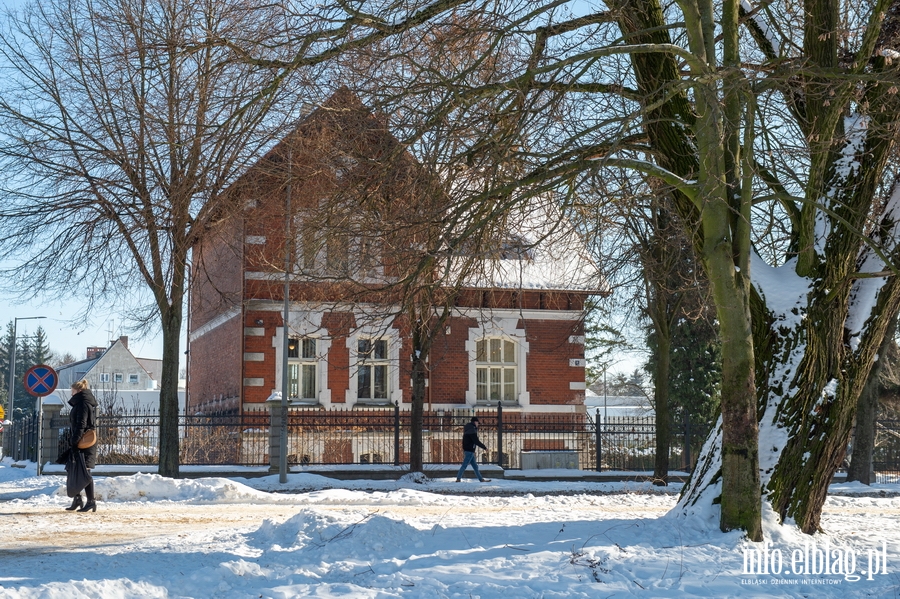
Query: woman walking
(82,418)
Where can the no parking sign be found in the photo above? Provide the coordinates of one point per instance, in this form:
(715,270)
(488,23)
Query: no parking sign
(40,380)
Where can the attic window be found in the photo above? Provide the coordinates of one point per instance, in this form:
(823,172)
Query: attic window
(342,165)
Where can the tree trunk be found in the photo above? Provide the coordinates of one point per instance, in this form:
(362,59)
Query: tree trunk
(741,506)
(867,408)
(416,414)
(661,390)
(860,468)
(168,391)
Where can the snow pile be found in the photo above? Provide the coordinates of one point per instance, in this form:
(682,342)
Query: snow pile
(217,537)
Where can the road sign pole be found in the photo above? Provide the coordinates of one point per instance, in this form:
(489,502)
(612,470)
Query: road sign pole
(11,398)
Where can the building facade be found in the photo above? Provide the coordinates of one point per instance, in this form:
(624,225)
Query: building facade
(118,379)
(509,331)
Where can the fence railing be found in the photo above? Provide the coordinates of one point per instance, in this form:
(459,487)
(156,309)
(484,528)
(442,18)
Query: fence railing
(379,435)
(20,438)
(886,455)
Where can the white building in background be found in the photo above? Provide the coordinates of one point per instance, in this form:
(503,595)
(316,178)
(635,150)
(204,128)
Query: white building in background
(117,378)
(617,406)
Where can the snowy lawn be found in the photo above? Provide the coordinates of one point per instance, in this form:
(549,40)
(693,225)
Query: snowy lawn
(216,537)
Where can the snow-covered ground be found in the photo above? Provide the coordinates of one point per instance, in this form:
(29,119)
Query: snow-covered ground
(217,537)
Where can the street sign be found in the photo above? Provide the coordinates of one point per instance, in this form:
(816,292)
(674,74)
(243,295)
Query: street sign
(40,380)
(2,413)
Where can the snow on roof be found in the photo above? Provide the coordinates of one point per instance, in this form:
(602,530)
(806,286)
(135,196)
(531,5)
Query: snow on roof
(541,250)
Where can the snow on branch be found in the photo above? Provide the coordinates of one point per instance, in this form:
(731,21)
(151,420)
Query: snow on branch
(762,28)
(865,292)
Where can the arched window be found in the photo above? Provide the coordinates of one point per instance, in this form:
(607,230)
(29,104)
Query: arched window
(495,374)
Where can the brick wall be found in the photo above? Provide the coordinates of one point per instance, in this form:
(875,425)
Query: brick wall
(216,274)
(215,381)
(449,363)
(549,373)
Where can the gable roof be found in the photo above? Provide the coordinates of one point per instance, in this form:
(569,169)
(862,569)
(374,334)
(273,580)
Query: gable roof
(68,373)
(541,249)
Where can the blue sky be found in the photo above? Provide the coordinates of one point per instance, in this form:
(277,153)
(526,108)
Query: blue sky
(65,336)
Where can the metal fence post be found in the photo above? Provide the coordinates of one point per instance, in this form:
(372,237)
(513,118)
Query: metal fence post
(500,434)
(597,443)
(687,442)
(396,433)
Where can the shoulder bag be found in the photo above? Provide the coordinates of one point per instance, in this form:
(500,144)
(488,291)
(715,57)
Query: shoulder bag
(88,439)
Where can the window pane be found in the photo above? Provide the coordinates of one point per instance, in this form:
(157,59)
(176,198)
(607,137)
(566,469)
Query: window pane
(495,351)
(480,355)
(293,348)
(481,384)
(309,381)
(380,383)
(381,349)
(337,253)
(495,383)
(509,352)
(364,382)
(309,348)
(363,348)
(293,382)
(509,384)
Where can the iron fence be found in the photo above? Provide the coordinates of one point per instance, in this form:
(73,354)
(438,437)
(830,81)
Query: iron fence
(629,443)
(132,438)
(886,455)
(20,438)
(382,435)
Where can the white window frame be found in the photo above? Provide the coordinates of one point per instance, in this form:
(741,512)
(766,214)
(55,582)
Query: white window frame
(369,363)
(134,379)
(103,377)
(391,336)
(500,328)
(306,323)
(495,370)
(118,377)
(305,356)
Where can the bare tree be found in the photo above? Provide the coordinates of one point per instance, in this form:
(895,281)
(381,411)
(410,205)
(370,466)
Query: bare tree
(122,126)
(744,113)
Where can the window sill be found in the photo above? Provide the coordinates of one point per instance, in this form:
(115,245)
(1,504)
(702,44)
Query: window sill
(374,403)
(299,403)
(493,404)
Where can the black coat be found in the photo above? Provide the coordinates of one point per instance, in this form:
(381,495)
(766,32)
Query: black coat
(470,438)
(82,417)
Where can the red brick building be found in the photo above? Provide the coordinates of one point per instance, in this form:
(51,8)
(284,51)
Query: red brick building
(515,333)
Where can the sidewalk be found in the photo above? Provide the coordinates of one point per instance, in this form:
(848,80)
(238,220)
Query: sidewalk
(381,472)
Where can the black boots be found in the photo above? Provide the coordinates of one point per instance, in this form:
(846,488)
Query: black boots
(90,506)
(76,503)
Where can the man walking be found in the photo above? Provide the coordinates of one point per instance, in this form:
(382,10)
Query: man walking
(469,442)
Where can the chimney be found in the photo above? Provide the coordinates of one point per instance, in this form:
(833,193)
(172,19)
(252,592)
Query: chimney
(94,352)
(124,340)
